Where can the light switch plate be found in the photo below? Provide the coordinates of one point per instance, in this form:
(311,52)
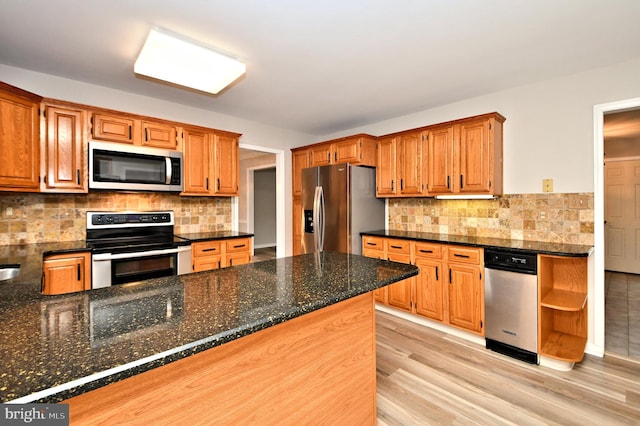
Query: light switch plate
(547,185)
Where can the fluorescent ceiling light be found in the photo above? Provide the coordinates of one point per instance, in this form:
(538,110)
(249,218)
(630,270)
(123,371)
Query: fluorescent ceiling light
(189,64)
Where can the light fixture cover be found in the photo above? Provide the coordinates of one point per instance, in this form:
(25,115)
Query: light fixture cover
(189,64)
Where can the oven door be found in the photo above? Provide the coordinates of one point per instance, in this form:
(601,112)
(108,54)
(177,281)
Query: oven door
(109,269)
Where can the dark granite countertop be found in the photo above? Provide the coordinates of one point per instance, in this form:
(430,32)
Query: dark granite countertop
(219,235)
(55,347)
(537,247)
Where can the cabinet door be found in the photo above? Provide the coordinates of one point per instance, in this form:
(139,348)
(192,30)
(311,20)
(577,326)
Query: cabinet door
(226,165)
(66,274)
(320,155)
(374,247)
(158,135)
(207,263)
(440,160)
(386,167)
(113,128)
(347,151)
(297,226)
(300,160)
(466,297)
(429,289)
(19,143)
(475,157)
(235,259)
(64,142)
(410,163)
(197,159)
(400,294)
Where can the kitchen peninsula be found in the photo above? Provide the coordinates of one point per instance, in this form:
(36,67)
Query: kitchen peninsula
(289,339)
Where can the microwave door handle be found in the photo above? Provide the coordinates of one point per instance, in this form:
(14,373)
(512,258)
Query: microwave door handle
(169,170)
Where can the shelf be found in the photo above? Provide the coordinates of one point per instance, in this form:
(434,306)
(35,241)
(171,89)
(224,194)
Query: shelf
(563,300)
(565,347)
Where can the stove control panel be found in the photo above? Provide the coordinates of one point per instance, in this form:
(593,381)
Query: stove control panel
(98,219)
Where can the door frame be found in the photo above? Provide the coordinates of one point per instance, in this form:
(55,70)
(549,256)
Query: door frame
(281,241)
(595,345)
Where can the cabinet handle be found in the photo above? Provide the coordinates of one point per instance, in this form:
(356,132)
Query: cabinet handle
(78,176)
(210,249)
(230,262)
(238,246)
(335,156)
(461,181)
(79,274)
(448,182)
(393,185)
(328,157)
(219,265)
(396,247)
(450,279)
(426,251)
(207,183)
(437,278)
(218,184)
(401,184)
(464,256)
(146,134)
(371,244)
(129,131)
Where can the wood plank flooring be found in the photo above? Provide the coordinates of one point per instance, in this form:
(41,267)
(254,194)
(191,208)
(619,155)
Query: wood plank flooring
(427,377)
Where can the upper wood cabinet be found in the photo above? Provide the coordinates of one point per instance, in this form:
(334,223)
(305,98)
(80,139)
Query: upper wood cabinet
(19,140)
(299,160)
(386,178)
(64,155)
(410,156)
(125,128)
(465,157)
(358,149)
(211,163)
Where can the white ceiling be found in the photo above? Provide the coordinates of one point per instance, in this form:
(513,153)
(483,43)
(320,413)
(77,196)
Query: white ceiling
(327,65)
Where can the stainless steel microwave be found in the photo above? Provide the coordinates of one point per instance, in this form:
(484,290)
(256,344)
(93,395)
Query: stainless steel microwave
(115,166)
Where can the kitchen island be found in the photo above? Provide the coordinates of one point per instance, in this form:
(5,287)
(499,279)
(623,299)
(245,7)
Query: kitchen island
(289,339)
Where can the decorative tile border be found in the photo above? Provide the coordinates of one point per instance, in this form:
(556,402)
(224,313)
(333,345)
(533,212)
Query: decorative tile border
(562,218)
(38,218)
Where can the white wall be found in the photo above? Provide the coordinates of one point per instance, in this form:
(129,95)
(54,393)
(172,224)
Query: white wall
(549,127)
(253,133)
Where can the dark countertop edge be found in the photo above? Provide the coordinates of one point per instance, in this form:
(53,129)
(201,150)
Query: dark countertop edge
(561,249)
(121,372)
(204,236)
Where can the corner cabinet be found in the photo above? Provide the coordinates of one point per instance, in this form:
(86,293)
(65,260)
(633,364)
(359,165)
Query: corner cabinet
(66,273)
(64,134)
(562,309)
(211,162)
(19,140)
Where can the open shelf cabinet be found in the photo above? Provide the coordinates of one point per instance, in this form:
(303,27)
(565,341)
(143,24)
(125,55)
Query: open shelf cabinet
(562,311)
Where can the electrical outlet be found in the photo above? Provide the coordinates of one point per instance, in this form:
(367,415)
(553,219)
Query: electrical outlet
(9,211)
(547,185)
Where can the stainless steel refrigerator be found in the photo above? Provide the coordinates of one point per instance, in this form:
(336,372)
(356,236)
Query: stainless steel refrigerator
(338,202)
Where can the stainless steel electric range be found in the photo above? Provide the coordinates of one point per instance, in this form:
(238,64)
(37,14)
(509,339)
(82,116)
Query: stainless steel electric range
(133,246)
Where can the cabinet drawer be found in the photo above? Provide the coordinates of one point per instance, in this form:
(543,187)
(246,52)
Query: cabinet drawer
(207,248)
(236,245)
(398,246)
(430,250)
(465,255)
(372,243)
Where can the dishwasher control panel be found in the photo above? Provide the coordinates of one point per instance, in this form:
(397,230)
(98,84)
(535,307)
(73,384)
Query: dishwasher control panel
(510,260)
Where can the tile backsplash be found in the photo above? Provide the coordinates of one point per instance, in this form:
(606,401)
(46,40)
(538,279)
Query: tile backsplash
(37,218)
(562,218)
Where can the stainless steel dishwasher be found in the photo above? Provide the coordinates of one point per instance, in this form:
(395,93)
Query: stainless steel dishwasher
(511,303)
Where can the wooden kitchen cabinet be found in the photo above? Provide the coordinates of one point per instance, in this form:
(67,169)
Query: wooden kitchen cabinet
(410,163)
(211,162)
(430,301)
(113,126)
(562,308)
(66,273)
(19,140)
(215,254)
(386,185)
(400,294)
(298,227)
(358,149)
(466,288)
(374,247)
(299,161)
(64,152)
(465,156)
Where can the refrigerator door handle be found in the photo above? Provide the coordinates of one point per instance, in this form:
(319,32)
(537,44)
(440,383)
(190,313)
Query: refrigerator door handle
(318,219)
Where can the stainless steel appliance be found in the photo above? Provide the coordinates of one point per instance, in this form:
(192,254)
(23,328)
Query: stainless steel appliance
(338,202)
(511,303)
(118,166)
(133,246)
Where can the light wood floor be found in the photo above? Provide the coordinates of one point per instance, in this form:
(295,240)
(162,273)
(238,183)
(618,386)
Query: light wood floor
(427,377)
(622,314)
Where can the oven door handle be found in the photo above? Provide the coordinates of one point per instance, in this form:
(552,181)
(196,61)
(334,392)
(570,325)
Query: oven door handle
(111,256)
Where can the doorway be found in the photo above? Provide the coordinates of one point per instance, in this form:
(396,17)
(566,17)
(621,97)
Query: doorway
(605,325)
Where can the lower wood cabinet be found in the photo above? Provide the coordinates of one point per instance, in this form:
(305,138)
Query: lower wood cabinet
(66,273)
(449,287)
(215,254)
